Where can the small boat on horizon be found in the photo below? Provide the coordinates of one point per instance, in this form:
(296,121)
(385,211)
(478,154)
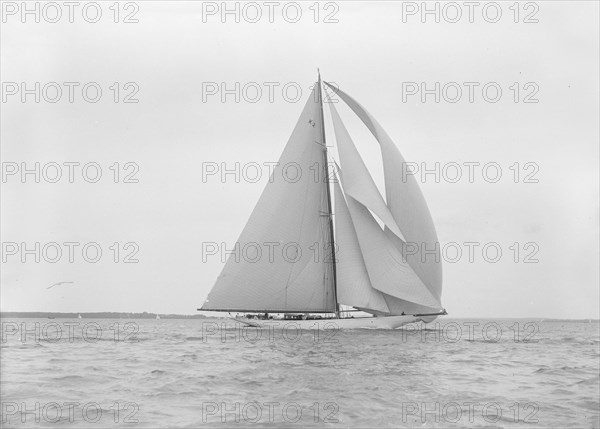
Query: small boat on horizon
(347,262)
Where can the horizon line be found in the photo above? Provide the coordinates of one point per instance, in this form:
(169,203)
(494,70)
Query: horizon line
(6,313)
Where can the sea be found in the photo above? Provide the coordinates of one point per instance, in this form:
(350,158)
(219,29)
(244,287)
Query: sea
(190,373)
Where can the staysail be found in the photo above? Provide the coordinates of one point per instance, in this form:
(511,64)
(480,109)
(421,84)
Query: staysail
(354,285)
(407,206)
(281,261)
(388,269)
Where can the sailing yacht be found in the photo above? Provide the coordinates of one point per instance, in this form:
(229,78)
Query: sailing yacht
(346,262)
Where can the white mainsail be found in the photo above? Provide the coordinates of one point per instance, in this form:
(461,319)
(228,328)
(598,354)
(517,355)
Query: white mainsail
(290,228)
(406,203)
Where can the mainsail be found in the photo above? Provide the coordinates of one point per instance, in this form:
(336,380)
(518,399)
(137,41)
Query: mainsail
(281,263)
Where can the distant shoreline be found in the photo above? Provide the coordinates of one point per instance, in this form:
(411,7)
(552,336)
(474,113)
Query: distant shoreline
(146,315)
(95,315)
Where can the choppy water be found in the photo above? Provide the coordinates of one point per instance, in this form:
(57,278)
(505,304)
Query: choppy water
(191,373)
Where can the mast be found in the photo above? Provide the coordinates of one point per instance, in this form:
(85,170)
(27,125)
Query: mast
(329,212)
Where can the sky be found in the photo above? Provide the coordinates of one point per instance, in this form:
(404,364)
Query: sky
(150,220)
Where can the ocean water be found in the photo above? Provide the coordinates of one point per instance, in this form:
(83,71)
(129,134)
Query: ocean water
(212,373)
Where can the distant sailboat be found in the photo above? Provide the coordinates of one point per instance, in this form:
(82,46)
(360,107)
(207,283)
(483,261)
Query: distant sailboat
(79,316)
(157,317)
(359,264)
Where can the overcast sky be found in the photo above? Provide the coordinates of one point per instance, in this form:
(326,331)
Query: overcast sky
(171,54)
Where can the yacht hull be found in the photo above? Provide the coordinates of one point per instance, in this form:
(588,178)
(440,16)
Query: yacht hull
(382,322)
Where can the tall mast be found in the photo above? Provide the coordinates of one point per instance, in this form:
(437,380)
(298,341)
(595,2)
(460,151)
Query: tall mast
(329,212)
